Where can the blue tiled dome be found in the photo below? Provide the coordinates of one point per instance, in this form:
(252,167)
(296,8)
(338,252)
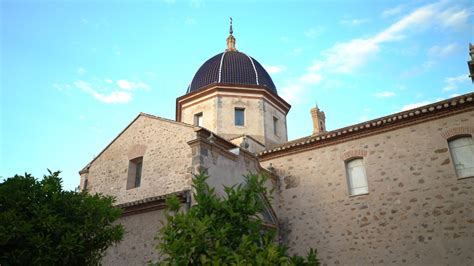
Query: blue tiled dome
(231,67)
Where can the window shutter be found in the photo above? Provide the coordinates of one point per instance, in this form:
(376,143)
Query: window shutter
(356,177)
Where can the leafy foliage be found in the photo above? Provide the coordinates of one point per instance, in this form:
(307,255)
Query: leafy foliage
(43,225)
(223,230)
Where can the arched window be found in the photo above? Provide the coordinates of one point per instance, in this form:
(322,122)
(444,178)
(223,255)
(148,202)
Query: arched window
(356,178)
(462,153)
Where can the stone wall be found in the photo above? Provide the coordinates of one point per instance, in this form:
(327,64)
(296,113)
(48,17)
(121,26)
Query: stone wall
(208,109)
(218,111)
(138,244)
(227,168)
(272,139)
(417,211)
(166,160)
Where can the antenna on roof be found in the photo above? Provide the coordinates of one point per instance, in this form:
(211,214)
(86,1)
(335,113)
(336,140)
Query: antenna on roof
(231,30)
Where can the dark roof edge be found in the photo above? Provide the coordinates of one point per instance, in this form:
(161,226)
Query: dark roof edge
(361,129)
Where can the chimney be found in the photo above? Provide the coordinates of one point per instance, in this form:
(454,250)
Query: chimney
(319,120)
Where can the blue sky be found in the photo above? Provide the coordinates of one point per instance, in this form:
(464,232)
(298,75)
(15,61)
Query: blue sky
(74,74)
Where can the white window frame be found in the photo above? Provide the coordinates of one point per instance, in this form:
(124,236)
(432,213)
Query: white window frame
(351,189)
(454,150)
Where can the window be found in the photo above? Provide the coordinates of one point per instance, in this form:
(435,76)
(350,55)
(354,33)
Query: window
(321,125)
(198,119)
(239,116)
(134,173)
(275,126)
(462,153)
(85,184)
(356,179)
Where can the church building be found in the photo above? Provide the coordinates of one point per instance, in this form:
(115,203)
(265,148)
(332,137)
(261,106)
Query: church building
(397,189)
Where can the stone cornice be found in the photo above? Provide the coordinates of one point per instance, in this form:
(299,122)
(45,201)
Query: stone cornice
(463,103)
(150,204)
(205,92)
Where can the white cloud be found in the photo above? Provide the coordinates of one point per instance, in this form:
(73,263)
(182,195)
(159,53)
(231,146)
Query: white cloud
(354,22)
(108,81)
(292,93)
(128,85)
(453,83)
(313,32)
(81,71)
(443,51)
(112,97)
(455,18)
(384,94)
(414,105)
(347,57)
(274,69)
(393,11)
(310,78)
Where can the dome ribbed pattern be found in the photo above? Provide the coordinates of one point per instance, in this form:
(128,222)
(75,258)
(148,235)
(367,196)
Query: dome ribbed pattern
(231,67)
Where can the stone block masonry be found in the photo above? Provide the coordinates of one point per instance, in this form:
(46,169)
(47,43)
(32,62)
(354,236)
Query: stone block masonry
(417,211)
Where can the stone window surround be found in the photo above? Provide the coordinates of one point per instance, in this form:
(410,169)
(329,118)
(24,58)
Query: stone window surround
(455,133)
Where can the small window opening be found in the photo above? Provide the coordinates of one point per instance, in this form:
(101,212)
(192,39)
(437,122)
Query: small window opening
(239,116)
(198,119)
(275,126)
(135,173)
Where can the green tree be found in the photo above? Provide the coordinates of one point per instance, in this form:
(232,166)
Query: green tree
(223,230)
(41,224)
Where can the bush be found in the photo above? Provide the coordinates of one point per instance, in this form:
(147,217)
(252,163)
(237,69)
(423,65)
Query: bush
(223,230)
(43,225)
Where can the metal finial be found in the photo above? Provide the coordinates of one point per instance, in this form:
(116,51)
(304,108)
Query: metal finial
(230,30)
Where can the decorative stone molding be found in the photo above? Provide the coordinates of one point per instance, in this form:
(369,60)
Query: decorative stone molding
(346,156)
(456,131)
(136,151)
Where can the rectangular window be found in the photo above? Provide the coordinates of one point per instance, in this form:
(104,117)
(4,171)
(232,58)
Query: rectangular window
(135,173)
(85,184)
(198,119)
(239,116)
(275,126)
(462,153)
(356,178)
